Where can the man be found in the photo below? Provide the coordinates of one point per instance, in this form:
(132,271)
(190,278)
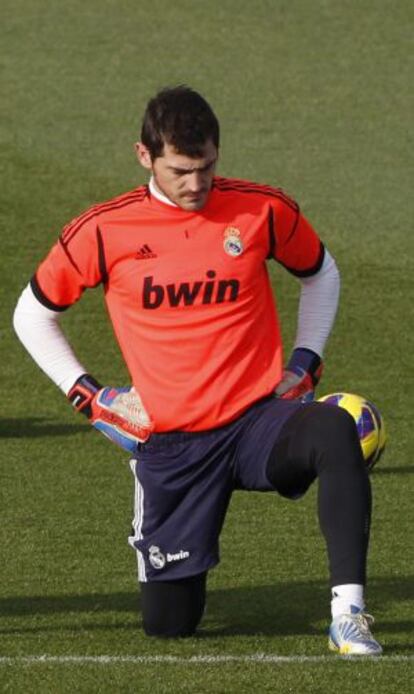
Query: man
(183,265)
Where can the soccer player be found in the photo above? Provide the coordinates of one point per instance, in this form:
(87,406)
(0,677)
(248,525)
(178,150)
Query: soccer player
(210,407)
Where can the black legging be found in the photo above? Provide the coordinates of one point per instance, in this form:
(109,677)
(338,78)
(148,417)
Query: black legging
(322,441)
(173,608)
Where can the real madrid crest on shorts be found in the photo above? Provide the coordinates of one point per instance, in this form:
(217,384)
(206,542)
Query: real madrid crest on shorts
(156,557)
(233,244)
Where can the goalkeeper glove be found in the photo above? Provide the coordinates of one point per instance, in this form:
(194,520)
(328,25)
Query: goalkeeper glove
(117,412)
(301,376)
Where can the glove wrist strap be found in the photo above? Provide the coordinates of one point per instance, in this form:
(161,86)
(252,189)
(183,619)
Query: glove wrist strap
(82,393)
(303,359)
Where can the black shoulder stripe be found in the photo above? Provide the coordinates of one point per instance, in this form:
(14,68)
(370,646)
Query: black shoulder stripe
(101,257)
(271,231)
(235,185)
(69,256)
(271,228)
(42,298)
(294,227)
(71,229)
(309,271)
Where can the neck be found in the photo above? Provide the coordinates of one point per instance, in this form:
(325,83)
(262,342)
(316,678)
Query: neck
(158,194)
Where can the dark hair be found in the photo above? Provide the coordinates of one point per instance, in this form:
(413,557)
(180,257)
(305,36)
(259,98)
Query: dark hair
(182,118)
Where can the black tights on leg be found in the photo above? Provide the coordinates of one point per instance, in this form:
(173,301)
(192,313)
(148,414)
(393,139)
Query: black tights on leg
(322,441)
(173,608)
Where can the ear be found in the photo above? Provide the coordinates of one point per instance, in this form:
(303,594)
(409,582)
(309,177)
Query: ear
(143,155)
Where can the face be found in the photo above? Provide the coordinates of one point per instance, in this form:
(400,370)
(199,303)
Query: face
(185,180)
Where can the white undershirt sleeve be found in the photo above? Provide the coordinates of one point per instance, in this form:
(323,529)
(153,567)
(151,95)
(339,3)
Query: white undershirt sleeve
(318,304)
(38,329)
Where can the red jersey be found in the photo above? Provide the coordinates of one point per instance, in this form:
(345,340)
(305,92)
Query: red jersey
(188,293)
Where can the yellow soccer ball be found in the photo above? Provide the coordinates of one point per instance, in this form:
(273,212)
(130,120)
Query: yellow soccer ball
(369,421)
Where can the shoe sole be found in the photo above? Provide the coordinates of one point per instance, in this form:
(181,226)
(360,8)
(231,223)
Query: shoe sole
(347,649)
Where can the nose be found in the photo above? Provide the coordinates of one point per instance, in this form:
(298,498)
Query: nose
(195,181)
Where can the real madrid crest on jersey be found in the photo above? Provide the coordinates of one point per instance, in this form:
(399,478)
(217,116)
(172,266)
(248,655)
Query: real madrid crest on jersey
(233,244)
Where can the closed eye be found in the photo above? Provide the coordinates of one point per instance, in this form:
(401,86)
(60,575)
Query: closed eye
(184,172)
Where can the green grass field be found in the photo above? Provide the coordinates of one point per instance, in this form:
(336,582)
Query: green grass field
(313,97)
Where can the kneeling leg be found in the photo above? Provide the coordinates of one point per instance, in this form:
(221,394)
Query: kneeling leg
(172,609)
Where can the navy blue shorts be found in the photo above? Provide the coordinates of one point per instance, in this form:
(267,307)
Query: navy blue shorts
(184,482)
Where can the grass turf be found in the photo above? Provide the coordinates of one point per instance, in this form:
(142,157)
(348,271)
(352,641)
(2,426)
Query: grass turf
(312,97)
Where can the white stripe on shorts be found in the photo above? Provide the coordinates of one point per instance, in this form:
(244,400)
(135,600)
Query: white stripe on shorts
(138,521)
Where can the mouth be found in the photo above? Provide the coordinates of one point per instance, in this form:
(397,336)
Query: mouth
(196,196)
(193,202)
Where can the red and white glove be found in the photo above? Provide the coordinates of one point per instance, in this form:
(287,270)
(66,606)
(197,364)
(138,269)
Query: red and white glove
(116,412)
(301,376)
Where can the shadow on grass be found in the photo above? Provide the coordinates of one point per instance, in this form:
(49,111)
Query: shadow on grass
(282,609)
(396,470)
(36,427)
(298,608)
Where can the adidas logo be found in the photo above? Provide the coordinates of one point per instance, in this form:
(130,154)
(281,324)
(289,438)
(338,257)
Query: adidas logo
(145,253)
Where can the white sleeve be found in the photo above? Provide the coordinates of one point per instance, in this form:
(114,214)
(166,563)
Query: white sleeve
(38,329)
(318,304)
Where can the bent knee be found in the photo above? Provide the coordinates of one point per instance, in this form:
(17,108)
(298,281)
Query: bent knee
(173,609)
(316,437)
(165,629)
(335,436)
